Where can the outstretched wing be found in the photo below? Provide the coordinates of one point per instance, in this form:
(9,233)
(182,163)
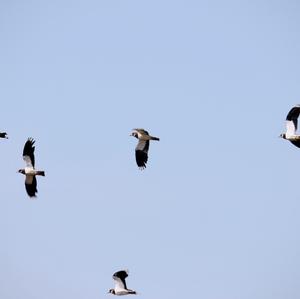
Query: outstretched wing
(141,153)
(31,185)
(292,120)
(119,278)
(28,153)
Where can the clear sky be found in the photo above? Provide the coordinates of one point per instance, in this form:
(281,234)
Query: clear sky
(216,214)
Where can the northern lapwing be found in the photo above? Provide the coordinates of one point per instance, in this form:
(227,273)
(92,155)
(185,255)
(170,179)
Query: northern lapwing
(3,135)
(291,126)
(142,148)
(29,171)
(120,284)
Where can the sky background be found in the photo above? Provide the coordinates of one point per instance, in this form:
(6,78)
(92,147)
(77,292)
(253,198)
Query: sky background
(216,213)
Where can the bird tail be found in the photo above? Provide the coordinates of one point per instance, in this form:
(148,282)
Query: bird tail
(132,292)
(154,138)
(42,173)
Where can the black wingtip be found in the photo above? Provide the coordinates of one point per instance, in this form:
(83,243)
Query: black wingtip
(3,135)
(31,140)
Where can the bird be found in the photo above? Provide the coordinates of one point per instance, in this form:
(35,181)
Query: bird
(120,284)
(142,148)
(3,135)
(291,126)
(29,171)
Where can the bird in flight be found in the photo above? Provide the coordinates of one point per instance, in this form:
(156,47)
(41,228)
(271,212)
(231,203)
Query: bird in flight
(120,284)
(142,148)
(29,170)
(291,126)
(3,135)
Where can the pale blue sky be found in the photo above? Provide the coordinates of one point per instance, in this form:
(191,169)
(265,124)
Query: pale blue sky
(216,213)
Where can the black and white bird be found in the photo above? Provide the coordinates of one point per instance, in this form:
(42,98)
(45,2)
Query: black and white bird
(120,284)
(291,126)
(142,148)
(3,135)
(29,171)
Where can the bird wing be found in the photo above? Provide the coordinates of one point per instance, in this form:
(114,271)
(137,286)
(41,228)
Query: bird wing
(290,128)
(119,278)
(141,153)
(295,142)
(28,153)
(28,161)
(31,185)
(292,120)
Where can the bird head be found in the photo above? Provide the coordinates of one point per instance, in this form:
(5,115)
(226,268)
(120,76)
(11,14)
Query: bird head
(112,291)
(282,136)
(21,171)
(134,134)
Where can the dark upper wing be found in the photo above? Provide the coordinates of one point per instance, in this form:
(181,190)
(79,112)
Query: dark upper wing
(296,142)
(28,151)
(31,185)
(120,277)
(293,115)
(141,153)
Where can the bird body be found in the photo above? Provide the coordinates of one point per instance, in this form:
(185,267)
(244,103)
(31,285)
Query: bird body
(29,171)
(32,171)
(142,148)
(122,292)
(291,126)
(120,284)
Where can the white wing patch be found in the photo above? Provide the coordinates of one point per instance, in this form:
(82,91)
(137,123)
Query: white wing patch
(28,161)
(119,284)
(290,128)
(141,145)
(28,179)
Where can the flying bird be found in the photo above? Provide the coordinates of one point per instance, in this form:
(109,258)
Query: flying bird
(291,126)
(142,148)
(3,135)
(29,171)
(120,284)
